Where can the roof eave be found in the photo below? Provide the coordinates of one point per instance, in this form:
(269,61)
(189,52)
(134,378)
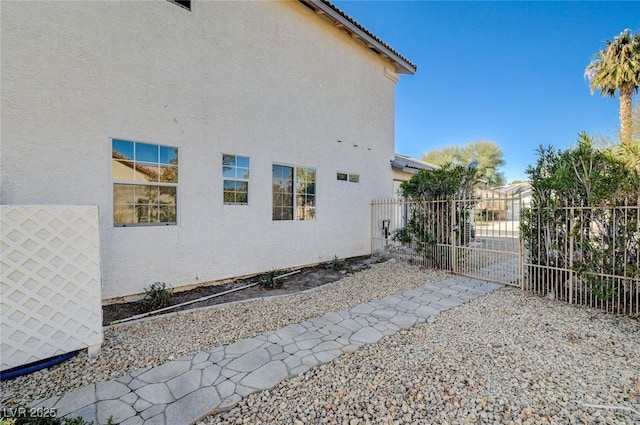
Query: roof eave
(401,65)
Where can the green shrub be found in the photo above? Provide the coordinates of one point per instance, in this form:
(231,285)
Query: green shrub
(427,219)
(337,264)
(447,182)
(269,281)
(580,199)
(156,296)
(402,235)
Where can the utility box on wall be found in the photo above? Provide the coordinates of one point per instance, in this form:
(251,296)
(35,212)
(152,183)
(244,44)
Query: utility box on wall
(50,282)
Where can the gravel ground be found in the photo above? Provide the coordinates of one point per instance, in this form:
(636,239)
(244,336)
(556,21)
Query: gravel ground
(506,358)
(128,347)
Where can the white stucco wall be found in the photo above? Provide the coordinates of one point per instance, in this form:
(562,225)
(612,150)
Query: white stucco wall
(268,80)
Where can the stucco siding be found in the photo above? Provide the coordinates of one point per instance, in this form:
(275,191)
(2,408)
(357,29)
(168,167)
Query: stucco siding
(268,80)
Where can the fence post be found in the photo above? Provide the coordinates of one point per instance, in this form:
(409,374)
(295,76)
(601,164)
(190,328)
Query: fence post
(454,224)
(570,268)
(424,205)
(372,225)
(521,239)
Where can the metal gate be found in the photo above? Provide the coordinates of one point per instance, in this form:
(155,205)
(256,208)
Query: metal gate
(494,249)
(477,237)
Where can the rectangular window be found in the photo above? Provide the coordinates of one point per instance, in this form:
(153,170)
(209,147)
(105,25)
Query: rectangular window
(353,178)
(235,173)
(145,183)
(305,193)
(294,193)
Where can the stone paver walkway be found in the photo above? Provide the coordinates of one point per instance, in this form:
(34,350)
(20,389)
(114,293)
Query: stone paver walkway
(184,390)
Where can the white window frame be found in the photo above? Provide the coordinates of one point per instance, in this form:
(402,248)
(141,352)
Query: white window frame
(139,167)
(343,176)
(309,212)
(236,178)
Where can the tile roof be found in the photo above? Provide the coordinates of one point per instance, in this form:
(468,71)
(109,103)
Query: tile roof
(402,64)
(409,164)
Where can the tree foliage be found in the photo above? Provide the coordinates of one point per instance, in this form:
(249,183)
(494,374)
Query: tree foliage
(635,132)
(616,68)
(582,175)
(582,218)
(447,182)
(488,156)
(432,214)
(629,153)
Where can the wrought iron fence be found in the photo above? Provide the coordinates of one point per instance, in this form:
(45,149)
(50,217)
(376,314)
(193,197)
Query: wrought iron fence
(584,255)
(475,237)
(587,255)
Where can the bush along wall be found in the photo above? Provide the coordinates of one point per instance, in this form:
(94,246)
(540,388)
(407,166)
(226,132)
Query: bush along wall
(430,210)
(582,231)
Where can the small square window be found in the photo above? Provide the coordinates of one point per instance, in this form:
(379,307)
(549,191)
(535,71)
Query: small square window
(354,178)
(342,176)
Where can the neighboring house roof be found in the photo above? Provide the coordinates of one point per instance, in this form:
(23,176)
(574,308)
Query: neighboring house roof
(410,165)
(490,192)
(148,170)
(523,189)
(355,30)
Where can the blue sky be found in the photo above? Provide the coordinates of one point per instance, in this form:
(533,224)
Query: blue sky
(509,72)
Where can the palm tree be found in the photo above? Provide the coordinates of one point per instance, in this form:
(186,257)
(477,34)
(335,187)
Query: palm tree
(617,67)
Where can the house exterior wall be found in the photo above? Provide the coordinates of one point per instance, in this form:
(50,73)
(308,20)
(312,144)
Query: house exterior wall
(272,81)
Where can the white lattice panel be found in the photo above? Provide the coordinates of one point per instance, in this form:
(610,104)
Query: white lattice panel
(50,281)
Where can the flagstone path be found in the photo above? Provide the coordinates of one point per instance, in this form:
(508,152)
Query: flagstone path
(184,390)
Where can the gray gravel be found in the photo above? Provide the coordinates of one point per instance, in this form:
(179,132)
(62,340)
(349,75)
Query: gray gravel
(153,342)
(506,358)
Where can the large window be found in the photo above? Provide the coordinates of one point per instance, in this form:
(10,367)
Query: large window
(145,183)
(235,173)
(294,193)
